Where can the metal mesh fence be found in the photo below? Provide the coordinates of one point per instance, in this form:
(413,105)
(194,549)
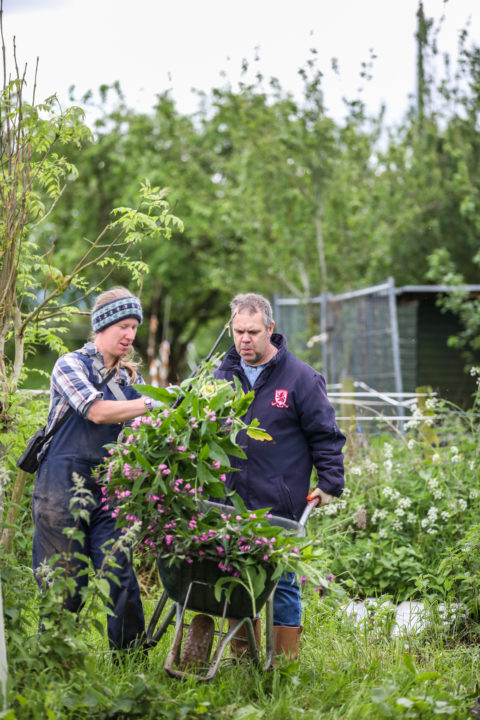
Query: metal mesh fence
(351,335)
(360,339)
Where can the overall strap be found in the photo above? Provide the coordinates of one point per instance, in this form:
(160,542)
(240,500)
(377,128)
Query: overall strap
(114,387)
(66,415)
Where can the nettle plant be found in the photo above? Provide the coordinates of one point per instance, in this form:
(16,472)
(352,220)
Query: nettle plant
(174,460)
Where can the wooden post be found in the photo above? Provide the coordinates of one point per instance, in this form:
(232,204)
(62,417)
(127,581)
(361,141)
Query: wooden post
(348,411)
(13,510)
(427,431)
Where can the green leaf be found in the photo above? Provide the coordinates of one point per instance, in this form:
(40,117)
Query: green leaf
(217,453)
(259,435)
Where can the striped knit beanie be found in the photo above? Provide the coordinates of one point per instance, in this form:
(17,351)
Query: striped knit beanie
(113,312)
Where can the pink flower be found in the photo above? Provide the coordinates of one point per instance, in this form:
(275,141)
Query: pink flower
(303,579)
(216,464)
(166,471)
(219,550)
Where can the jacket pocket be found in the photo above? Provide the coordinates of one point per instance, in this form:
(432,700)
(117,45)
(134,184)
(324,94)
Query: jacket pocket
(273,493)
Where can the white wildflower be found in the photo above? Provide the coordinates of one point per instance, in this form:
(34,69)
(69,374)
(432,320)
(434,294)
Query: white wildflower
(330,509)
(411,518)
(388,465)
(474,370)
(432,531)
(399,511)
(383,533)
(454,450)
(432,514)
(473,494)
(379,515)
(387,491)
(397,525)
(355,470)
(388,450)
(445,515)
(404,502)
(370,466)
(455,458)
(411,444)
(436,458)
(346,492)
(462,504)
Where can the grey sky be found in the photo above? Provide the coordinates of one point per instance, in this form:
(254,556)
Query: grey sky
(150,46)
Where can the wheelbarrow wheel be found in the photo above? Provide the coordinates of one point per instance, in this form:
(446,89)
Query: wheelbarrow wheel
(198,642)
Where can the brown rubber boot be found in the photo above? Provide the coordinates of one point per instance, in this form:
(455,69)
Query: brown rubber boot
(286,641)
(239,642)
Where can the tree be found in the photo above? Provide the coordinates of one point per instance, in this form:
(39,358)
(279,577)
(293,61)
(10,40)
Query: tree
(39,294)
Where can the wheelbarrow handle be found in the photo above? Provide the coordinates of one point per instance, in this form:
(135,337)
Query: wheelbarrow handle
(308,509)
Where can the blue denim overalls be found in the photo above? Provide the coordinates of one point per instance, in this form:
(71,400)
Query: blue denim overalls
(78,447)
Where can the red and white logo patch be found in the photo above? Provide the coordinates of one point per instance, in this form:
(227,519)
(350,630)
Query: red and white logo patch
(281,397)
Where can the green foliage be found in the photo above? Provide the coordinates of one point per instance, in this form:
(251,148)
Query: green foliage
(442,270)
(456,581)
(170,462)
(405,504)
(415,694)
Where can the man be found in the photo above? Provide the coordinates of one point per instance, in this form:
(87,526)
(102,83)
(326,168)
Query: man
(291,404)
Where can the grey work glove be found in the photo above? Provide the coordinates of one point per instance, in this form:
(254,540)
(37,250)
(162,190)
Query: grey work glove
(151,404)
(324,497)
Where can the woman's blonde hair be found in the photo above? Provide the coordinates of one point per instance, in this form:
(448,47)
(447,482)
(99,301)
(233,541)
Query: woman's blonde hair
(129,362)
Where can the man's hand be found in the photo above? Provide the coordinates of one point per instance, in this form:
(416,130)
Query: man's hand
(324,498)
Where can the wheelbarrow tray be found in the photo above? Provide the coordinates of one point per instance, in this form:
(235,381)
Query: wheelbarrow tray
(201,576)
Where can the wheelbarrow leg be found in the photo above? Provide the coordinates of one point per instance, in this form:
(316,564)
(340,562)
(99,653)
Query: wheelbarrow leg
(152,637)
(268,665)
(225,640)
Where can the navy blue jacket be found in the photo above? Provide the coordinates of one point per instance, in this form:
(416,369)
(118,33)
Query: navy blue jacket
(291,404)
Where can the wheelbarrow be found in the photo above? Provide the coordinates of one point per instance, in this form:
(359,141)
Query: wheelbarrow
(191,587)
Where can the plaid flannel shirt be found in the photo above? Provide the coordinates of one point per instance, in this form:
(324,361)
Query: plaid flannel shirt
(70,385)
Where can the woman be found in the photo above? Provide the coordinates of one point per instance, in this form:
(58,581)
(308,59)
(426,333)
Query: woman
(78,446)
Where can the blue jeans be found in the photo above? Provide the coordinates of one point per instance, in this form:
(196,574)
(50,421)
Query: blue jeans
(287,607)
